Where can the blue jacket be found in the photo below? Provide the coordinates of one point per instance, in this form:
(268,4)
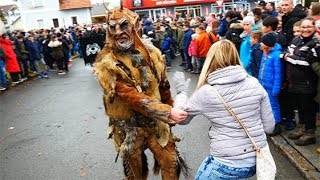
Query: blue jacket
(33,49)
(187,40)
(256,55)
(166,44)
(223,28)
(245,51)
(270,70)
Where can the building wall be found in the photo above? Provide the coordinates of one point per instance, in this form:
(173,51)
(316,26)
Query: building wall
(33,16)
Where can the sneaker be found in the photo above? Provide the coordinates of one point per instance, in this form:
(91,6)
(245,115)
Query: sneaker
(2,88)
(61,73)
(70,60)
(23,79)
(15,82)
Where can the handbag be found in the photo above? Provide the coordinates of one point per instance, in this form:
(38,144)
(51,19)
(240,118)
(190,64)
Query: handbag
(265,166)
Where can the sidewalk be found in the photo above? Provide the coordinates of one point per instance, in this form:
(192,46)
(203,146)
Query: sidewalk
(305,158)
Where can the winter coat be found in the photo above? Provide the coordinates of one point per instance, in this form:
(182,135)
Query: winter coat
(192,51)
(187,40)
(159,39)
(270,70)
(57,51)
(23,51)
(11,61)
(248,99)
(256,55)
(233,34)
(288,21)
(166,44)
(203,44)
(147,27)
(245,51)
(180,34)
(33,49)
(300,76)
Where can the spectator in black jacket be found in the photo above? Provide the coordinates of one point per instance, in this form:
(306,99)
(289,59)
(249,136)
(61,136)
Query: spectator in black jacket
(291,16)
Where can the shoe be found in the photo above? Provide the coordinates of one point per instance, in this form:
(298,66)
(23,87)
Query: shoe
(309,137)
(183,64)
(61,73)
(168,67)
(277,130)
(296,134)
(15,82)
(2,88)
(23,79)
(290,125)
(70,60)
(51,69)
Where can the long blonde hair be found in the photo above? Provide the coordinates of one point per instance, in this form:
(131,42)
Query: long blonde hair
(221,54)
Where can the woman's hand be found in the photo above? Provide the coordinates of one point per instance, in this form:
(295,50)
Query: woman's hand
(178,115)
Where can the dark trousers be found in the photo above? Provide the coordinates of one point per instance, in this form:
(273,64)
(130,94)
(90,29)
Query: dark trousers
(182,55)
(48,59)
(188,59)
(14,76)
(306,106)
(60,63)
(284,104)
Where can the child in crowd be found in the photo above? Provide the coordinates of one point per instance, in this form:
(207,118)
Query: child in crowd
(192,51)
(270,74)
(245,47)
(256,52)
(296,28)
(166,50)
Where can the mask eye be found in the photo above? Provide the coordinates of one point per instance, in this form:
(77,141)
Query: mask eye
(124,26)
(112,29)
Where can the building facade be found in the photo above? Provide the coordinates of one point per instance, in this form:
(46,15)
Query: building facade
(180,8)
(40,14)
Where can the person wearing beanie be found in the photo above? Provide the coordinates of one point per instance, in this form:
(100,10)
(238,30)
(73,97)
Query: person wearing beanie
(245,46)
(270,74)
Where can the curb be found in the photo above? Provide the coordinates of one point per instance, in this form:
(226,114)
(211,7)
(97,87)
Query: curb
(302,164)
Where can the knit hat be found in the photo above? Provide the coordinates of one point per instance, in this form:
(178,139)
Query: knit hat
(269,39)
(249,20)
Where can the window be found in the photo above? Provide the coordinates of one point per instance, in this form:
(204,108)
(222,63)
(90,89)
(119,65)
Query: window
(37,3)
(55,23)
(40,23)
(74,20)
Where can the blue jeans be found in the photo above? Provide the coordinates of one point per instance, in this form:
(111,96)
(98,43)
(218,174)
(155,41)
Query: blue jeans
(210,169)
(168,57)
(3,77)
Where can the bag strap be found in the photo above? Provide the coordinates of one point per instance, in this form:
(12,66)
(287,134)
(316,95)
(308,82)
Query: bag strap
(236,118)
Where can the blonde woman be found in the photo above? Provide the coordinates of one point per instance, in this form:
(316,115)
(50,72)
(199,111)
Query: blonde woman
(231,152)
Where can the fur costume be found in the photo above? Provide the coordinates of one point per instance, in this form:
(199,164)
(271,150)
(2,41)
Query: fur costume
(137,99)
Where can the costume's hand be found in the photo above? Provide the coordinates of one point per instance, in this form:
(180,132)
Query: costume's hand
(178,115)
(181,84)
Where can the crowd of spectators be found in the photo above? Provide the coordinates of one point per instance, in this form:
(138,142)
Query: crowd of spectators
(38,53)
(277,45)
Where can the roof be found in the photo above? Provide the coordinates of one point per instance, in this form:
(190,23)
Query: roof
(74,4)
(98,9)
(7,8)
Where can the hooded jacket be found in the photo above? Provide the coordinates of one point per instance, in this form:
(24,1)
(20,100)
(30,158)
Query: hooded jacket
(11,61)
(203,44)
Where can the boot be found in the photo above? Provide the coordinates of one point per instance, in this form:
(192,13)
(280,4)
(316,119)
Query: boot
(296,134)
(308,137)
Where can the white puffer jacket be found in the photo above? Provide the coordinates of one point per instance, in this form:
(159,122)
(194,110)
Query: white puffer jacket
(248,99)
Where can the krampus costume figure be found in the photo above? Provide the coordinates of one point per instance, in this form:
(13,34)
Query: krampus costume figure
(137,99)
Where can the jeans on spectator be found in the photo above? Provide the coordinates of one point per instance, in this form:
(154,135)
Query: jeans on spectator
(40,66)
(168,57)
(195,63)
(182,55)
(201,62)
(3,77)
(188,59)
(212,169)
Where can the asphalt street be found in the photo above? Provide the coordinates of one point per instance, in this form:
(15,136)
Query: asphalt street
(56,128)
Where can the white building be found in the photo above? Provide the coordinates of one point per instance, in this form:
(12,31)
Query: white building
(12,18)
(39,14)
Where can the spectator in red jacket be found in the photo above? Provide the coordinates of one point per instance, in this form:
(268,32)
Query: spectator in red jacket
(11,62)
(203,45)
